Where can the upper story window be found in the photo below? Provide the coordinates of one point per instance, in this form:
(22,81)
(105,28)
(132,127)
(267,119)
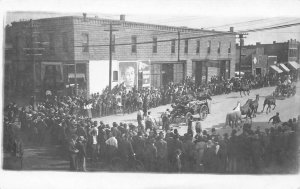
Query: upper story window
(65,41)
(85,42)
(186,46)
(219,47)
(173,43)
(133,44)
(154,45)
(229,48)
(198,47)
(208,46)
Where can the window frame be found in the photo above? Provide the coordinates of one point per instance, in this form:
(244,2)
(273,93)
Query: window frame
(173,46)
(209,46)
(154,45)
(133,44)
(229,48)
(85,46)
(186,46)
(197,46)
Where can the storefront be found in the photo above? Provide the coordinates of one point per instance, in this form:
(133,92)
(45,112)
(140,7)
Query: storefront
(203,71)
(163,73)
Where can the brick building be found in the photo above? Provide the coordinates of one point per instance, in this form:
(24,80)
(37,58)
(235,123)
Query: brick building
(261,59)
(56,45)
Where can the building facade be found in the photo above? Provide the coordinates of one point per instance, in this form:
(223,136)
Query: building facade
(261,59)
(54,52)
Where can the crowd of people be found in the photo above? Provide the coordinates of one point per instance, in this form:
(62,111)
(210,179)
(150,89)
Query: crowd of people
(121,100)
(67,121)
(274,150)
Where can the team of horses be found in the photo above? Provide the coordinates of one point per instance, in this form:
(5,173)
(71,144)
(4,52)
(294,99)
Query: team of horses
(249,109)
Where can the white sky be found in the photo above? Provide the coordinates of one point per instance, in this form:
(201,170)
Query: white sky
(190,13)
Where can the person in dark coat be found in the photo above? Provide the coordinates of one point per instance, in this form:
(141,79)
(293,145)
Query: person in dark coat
(145,105)
(188,154)
(81,156)
(150,155)
(209,158)
(139,146)
(73,151)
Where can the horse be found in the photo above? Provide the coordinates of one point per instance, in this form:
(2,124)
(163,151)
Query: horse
(246,109)
(269,100)
(254,105)
(234,116)
(245,87)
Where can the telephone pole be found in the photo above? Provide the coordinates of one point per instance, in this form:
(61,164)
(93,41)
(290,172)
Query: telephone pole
(178,58)
(33,51)
(111,30)
(241,37)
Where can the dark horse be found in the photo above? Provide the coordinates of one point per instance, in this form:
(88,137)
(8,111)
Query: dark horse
(245,87)
(269,100)
(246,109)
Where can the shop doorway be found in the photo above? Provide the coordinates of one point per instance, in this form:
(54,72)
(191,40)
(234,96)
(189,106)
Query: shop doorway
(167,73)
(258,71)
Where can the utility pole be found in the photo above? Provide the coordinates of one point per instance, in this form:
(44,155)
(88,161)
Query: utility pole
(33,51)
(241,36)
(111,30)
(178,59)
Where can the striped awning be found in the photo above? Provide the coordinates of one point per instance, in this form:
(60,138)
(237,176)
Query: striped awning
(275,68)
(284,67)
(294,65)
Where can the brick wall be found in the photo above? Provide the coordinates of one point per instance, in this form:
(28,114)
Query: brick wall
(99,40)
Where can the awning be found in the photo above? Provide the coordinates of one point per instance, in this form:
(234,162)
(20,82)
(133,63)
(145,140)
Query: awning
(284,67)
(275,68)
(294,65)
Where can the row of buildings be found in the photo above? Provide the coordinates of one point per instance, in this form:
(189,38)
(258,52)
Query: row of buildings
(260,59)
(54,53)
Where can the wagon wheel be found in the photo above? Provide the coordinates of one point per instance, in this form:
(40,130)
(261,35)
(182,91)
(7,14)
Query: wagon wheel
(203,112)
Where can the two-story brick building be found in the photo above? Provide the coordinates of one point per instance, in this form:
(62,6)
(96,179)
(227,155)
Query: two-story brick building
(56,45)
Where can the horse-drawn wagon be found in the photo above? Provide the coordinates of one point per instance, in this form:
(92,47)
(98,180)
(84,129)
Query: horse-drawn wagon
(199,108)
(285,90)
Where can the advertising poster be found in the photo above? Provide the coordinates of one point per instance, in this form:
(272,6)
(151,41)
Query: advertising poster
(129,74)
(144,67)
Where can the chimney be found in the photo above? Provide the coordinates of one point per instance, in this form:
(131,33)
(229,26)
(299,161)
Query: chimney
(257,43)
(122,17)
(274,42)
(231,29)
(84,16)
